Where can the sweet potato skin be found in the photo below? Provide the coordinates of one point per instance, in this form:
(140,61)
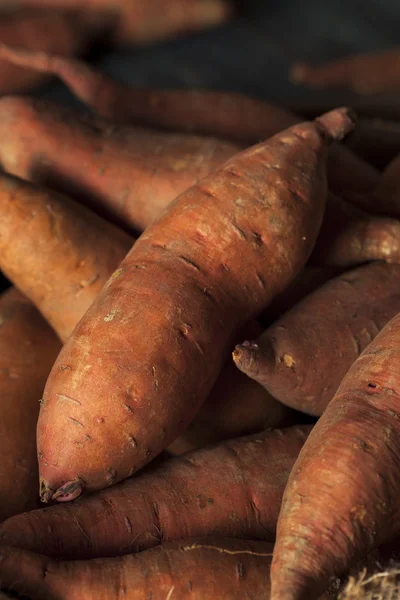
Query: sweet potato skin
(232,489)
(130,174)
(350,236)
(187,569)
(329,328)
(28,348)
(341,498)
(56,251)
(125,396)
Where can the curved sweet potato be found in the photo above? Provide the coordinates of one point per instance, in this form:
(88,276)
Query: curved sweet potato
(328,328)
(196,569)
(227,115)
(28,348)
(171,311)
(232,489)
(56,31)
(349,237)
(341,500)
(129,174)
(56,251)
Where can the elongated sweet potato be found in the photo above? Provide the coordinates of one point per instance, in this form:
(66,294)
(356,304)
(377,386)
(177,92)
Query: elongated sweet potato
(364,73)
(329,328)
(196,569)
(56,251)
(28,348)
(227,115)
(375,140)
(128,174)
(232,489)
(341,500)
(47,31)
(350,236)
(60,254)
(170,313)
(139,22)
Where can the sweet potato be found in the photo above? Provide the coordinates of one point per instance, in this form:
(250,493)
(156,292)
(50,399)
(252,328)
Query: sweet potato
(60,254)
(364,73)
(125,173)
(341,500)
(56,251)
(28,348)
(375,140)
(226,115)
(328,328)
(232,489)
(47,31)
(196,569)
(143,22)
(350,236)
(143,359)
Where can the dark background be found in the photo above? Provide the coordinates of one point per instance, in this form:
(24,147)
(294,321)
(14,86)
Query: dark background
(253,53)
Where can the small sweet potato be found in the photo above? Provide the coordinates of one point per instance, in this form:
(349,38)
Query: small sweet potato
(350,236)
(188,569)
(143,22)
(213,260)
(364,73)
(328,329)
(28,348)
(227,115)
(232,489)
(124,173)
(341,501)
(56,251)
(56,31)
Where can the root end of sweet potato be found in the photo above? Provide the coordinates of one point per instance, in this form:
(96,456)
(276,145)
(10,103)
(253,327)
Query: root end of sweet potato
(46,492)
(69,491)
(336,124)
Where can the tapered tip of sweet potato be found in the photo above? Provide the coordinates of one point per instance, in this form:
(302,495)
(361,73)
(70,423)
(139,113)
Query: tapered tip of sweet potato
(298,73)
(245,357)
(336,124)
(69,491)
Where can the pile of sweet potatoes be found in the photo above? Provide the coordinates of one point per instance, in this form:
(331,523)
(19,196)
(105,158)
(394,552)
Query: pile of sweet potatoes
(197,277)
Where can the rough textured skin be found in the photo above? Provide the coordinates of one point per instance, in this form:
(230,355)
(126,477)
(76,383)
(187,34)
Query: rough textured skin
(217,255)
(232,489)
(375,140)
(227,115)
(47,31)
(364,74)
(56,251)
(138,22)
(184,570)
(341,500)
(349,237)
(328,329)
(130,175)
(28,348)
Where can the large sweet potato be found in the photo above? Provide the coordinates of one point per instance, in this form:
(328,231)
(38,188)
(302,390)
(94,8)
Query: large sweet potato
(125,173)
(144,357)
(28,348)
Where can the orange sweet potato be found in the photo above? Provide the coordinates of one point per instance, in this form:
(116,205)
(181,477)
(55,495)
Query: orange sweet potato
(56,251)
(226,115)
(350,236)
(341,500)
(196,569)
(142,22)
(125,173)
(170,313)
(28,348)
(60,254)
(232,489)
(365,73)
(65,33)
(328,329)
